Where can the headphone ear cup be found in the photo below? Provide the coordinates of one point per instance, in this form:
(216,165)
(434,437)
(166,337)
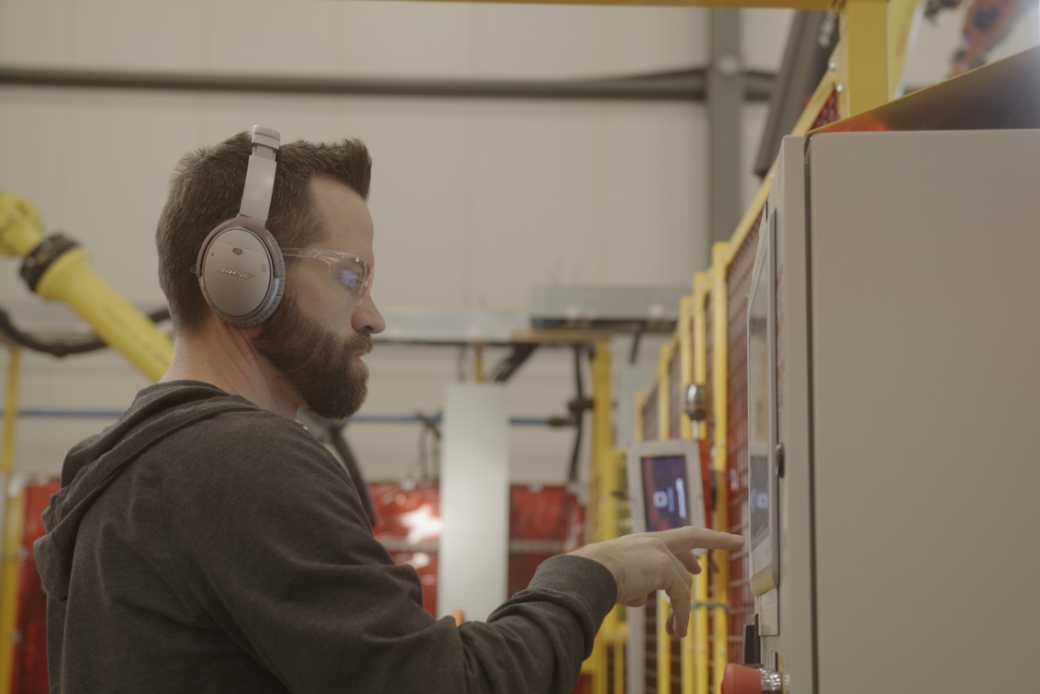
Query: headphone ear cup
(277,290)
(241,273)
(277,281)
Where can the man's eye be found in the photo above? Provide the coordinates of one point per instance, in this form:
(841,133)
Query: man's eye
(349,278)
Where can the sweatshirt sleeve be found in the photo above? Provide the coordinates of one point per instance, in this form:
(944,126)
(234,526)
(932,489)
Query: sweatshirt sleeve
(267,535)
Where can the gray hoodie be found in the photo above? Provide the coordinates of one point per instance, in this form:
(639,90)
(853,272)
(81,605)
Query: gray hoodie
(202,544)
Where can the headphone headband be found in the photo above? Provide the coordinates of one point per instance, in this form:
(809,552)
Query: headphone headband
(256,197)
(240,268)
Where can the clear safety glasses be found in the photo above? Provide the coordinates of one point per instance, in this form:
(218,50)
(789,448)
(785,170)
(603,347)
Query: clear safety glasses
(350,272)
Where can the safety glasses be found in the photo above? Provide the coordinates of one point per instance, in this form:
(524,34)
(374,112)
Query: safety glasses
(350,272)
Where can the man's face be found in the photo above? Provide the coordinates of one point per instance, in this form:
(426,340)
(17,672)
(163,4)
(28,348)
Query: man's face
(318,335)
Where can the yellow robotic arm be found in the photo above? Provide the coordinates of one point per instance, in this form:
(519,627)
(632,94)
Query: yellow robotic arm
(55,268)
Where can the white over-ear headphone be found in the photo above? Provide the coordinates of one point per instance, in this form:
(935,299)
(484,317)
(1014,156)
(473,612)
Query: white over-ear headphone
(240,268)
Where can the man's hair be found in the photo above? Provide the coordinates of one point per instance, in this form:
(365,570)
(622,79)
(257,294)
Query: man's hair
(206,190)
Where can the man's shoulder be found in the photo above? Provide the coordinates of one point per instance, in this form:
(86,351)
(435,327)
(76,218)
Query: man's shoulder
(244,436)
(244,446)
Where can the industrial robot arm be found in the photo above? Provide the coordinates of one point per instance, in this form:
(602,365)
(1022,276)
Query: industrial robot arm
(55,268)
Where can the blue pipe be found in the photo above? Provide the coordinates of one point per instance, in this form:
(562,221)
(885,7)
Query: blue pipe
(59,413)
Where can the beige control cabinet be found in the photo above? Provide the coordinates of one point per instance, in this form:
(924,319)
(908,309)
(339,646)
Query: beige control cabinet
(895,501)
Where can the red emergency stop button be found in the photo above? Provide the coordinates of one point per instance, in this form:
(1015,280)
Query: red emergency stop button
(740,679)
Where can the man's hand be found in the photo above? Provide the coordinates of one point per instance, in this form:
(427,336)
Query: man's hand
(647,562)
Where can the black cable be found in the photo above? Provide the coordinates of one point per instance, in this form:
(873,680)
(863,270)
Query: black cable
(577,408)
(60,348)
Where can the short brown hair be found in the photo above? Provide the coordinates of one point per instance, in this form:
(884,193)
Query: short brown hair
(206,189)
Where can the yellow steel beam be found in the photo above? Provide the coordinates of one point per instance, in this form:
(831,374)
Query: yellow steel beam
(720,370)
(685,330)
(701,289)
(686,358)
(619,665)
(795,4)
(664,641)
(864,29)
(606,474)
(605,518)
(14,523)
(478,362)
(831,79)
(10,411)
(664,392)
(664,646)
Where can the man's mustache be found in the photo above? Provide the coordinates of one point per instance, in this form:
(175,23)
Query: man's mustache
(360,343)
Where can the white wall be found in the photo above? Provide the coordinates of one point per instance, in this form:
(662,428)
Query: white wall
(474,201)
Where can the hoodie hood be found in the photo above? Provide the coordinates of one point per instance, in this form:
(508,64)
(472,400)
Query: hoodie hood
(92,465)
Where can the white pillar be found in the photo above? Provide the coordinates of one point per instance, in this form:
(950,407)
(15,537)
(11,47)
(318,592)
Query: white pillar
(474,548)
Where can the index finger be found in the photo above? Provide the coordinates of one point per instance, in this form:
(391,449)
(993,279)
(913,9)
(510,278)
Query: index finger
(685,539)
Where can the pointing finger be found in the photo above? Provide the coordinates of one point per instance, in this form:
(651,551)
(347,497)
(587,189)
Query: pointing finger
(685,539)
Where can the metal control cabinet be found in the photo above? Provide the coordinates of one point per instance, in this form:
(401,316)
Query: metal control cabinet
(906,282)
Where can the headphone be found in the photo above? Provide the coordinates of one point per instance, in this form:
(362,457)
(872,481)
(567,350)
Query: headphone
(240,267)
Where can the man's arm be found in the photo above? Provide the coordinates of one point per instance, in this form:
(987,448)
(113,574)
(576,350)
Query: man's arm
(270,538)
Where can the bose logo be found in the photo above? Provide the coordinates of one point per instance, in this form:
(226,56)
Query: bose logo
(237,273)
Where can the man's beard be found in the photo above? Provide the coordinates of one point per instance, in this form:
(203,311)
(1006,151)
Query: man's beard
(320,366)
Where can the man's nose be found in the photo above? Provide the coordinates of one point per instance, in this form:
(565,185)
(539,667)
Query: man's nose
(367,318)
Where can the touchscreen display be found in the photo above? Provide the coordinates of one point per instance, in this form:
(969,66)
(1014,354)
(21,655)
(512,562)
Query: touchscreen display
(665,492)
(758,408)
(758,497)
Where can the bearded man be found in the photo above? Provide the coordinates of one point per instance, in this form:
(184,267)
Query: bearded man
(207,542)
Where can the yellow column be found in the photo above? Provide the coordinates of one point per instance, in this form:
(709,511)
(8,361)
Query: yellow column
(605,524)
(864,25)
(10,410)
(619,663)
(12,536)
(701,292)
(664,646)
(664,641)
(14,521)
(478,362)
(686,430)
(720,370)
(664,400)
(686,358)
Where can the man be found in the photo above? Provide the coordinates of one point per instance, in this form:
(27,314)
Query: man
(207,542)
